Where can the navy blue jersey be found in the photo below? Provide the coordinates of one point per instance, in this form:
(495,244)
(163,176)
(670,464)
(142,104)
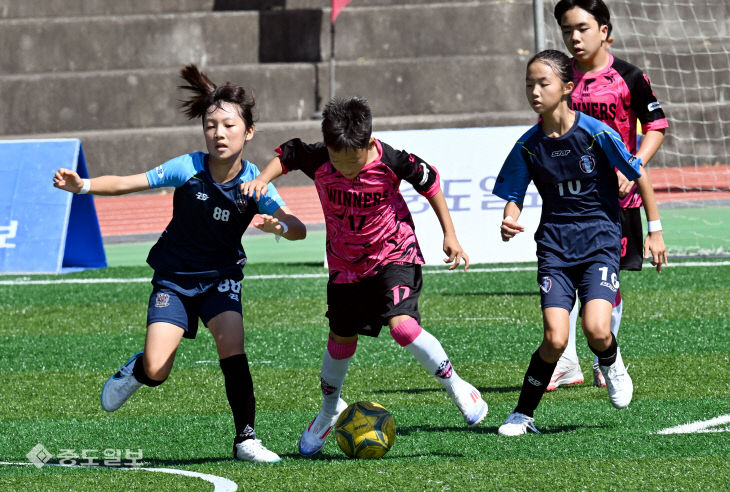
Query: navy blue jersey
(575,176)
(203,239)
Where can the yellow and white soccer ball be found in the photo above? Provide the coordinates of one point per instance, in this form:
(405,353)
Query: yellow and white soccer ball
(365,430)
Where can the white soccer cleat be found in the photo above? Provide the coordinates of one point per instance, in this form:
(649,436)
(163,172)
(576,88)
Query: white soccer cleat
(567,372)
(315,435)
(469,401)
(598,380)
(517,424)
(119,387)
(619,384)
(252,450)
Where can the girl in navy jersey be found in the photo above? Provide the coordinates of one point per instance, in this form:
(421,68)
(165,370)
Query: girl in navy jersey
(618,94)
(198,260)
(372,252)
(571,158)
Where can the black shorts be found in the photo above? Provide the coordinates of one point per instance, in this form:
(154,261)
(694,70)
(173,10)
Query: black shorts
(364,307)
(632,244)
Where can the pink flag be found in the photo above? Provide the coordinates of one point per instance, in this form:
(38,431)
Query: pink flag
(337,6)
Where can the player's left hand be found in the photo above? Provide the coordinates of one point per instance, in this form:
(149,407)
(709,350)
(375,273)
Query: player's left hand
(654,247)
(455,253)
(255,188)
(624,185)
(267,223)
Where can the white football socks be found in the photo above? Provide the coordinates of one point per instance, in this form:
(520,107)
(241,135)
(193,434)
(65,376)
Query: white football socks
(333,373)
(570,352)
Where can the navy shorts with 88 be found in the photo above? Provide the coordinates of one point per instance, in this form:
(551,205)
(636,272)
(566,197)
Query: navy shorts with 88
(204,301)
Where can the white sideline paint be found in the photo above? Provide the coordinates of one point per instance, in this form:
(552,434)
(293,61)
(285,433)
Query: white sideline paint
(698,427)
(28,281)
(220,484)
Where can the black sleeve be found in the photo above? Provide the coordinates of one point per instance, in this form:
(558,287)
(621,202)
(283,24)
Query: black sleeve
(411,168)
(295,154)
(643,101)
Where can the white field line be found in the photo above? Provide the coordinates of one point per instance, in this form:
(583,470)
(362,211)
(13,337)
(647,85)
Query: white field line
(702,426)
(220,484)
(28,281)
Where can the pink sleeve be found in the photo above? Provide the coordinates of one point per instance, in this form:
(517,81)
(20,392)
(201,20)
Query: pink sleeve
(434,188)
(655,125)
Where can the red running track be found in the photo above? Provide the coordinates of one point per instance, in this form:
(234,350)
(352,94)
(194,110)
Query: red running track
(149,214)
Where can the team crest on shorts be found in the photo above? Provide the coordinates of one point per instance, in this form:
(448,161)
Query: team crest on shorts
(546,285)
(162,300)
(587,164)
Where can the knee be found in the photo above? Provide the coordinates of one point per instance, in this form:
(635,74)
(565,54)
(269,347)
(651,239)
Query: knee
(157,371)
(552,348)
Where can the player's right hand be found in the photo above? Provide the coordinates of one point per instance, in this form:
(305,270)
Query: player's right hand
(68,180)
(510,228)
(255,188)
(624,185)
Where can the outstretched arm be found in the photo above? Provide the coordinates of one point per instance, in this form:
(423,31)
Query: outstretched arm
(282,223)
(452,248)
(68,180)
(654,242)
(257,187)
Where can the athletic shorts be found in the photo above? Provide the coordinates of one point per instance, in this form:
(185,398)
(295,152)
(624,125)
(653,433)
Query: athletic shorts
(632,240)
(594,280)
(167,305)
(365,307)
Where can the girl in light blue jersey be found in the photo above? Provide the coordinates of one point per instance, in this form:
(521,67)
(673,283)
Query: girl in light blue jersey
(198,260)
(571,158)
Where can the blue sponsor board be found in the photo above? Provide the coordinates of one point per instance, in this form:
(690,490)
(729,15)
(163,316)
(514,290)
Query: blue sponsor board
(44,229)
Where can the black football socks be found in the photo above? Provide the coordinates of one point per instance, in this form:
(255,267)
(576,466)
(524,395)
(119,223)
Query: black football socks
(536,380)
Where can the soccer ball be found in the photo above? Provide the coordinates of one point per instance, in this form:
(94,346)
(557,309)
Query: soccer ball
(365,430)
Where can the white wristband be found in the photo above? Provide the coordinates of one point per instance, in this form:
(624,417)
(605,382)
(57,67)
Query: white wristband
(85,187)
(509,217)
(285,229)
(655,225)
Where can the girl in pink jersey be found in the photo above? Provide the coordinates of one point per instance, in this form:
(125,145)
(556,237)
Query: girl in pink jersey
(372,252)
(618,94)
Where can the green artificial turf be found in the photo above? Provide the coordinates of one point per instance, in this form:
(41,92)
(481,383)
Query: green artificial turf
(60,341)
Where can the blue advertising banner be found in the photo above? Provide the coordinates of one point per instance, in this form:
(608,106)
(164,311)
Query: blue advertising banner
(44,229)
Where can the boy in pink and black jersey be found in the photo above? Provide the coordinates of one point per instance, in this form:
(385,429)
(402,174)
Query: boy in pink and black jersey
(618,94)
(373,255)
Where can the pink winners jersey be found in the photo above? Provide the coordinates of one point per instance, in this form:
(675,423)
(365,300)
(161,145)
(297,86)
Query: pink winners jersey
(618,95)
(368,222)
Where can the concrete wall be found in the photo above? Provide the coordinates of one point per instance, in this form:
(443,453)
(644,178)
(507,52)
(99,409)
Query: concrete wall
(107,71)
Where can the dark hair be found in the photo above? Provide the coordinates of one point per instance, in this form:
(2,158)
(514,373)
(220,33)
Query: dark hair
(207,94)
(558,61)
(596,8)
(347,123)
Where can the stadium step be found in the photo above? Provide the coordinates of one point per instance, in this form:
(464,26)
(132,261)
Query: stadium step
(148,98)
(108,151)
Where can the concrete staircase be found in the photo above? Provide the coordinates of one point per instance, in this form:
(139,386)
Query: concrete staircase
(107,72)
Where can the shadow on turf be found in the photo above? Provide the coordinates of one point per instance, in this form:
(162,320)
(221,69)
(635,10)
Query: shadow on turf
(342,457)
(492,294)
(405,431)
(483,390)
